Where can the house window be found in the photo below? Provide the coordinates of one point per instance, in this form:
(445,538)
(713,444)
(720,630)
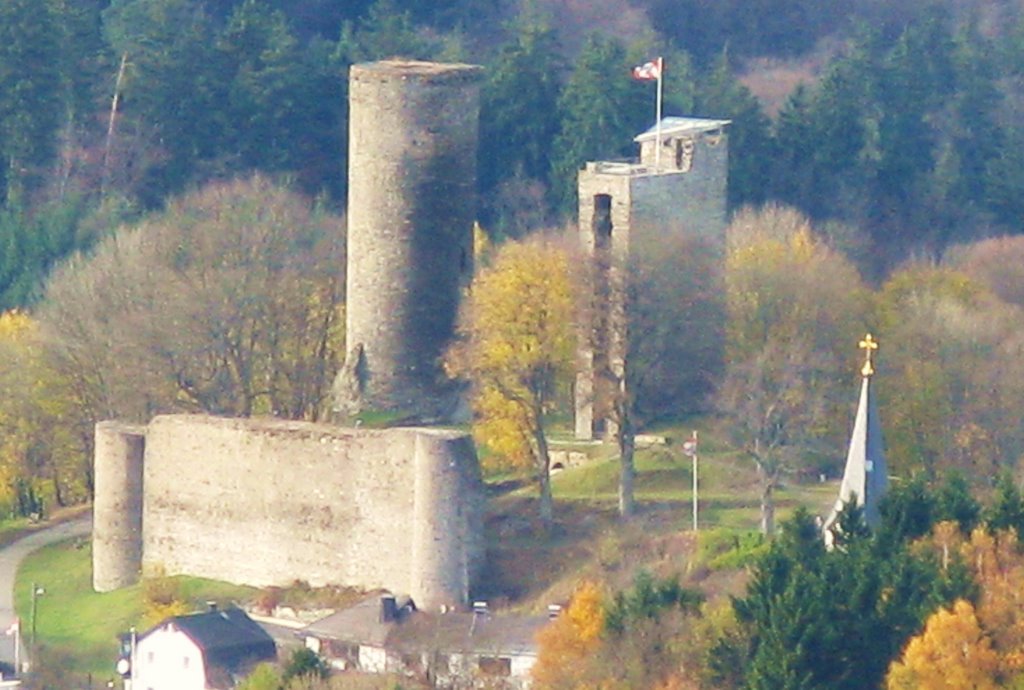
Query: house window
(495,666)
(184,662)
(150,657)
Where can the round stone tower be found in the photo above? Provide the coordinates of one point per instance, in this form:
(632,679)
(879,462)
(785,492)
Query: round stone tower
(411,206)
(117,508)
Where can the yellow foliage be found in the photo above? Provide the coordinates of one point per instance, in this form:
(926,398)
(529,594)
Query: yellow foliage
(161,597)
(501,425)
(953,653)
(998,568)
(481,241)
(569,640)
(783,284)
(518,342)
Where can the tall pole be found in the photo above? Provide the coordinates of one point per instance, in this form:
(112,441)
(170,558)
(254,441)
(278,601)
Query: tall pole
(695,453)
(131,672)
(35,598)
(657,122)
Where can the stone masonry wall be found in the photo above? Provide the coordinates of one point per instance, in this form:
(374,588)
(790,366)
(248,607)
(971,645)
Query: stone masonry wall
(266,502)
(691,203)
(412,202)
(646,206)
(117,508)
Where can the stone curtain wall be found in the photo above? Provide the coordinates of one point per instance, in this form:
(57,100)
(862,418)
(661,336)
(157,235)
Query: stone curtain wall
(412,202)
(266,502)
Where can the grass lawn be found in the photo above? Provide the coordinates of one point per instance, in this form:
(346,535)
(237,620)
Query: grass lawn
(81,624)
(526,568)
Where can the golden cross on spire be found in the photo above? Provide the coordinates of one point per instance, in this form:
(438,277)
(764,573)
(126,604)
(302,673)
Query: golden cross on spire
(869,345)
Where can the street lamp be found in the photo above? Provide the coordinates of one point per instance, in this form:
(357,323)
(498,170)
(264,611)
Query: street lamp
(37,592)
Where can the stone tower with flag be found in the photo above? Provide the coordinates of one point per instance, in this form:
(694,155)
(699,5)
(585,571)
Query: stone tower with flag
(676,187)
(865,478)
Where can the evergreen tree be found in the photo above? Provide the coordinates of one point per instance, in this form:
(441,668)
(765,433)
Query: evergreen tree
(31,103)
(386,31)
(599,112)
(834,620)
(955,502)
(751,148)
(1007,509)
(908,512)
(266,93)
(516,127)
(174,90)
(794,178)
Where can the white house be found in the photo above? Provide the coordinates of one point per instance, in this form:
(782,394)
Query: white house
(204,651)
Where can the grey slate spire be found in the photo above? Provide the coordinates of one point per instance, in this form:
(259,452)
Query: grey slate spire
(865,476)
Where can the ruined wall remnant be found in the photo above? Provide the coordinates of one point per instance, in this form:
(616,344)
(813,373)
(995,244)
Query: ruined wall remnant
(117,508)
(267,502)
(623,206)
(412,190)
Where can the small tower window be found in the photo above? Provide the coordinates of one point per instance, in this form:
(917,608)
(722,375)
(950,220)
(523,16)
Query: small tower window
(602,225)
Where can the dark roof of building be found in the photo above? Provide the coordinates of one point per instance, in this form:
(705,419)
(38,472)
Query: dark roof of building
(359,623)
(414,631)
(229,639)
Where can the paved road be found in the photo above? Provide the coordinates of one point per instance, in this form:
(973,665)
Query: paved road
(10,559)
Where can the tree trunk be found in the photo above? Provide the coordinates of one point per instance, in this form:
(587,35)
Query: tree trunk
(767,504)
(627,471)
(544,477)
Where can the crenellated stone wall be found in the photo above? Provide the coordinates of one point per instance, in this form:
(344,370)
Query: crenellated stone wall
(266,502)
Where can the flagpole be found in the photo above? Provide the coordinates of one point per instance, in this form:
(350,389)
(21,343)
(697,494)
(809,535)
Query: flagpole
(695,453)
(657,126)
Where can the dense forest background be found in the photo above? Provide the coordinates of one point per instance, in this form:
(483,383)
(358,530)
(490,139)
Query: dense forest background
(898,121)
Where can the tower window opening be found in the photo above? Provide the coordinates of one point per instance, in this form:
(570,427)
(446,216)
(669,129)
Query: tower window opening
(602,224)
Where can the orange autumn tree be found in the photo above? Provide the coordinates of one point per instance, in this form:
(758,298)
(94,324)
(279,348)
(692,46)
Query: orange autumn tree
(997,566)
(569,640)
(953,653)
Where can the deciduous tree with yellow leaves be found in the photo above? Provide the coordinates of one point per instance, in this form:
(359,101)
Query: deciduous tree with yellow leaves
(953,653)
(568,641)
(41,454)
(518,340)
(796,308)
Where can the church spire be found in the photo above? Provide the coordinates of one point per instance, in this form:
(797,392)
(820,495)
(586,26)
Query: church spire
(865,477)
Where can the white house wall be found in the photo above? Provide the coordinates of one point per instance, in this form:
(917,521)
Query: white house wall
(168,660)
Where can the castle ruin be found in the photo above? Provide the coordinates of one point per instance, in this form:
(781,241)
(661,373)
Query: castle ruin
(412,202)
(678,187)
(266,502)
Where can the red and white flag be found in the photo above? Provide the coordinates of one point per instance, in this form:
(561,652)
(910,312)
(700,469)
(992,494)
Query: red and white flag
(649,71)
(13,630)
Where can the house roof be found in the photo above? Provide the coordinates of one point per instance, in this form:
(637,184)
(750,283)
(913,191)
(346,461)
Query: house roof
(481,633)
(682,125)
(359,623)
(228,639)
